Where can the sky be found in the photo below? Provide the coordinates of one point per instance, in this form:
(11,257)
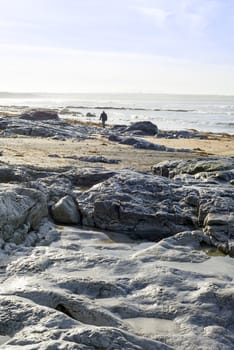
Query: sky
(155,46)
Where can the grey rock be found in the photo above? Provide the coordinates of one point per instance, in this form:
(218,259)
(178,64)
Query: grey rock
(65,211)
(12,174)
(152,146)
(182,247)
(54,156)
(220,167)
(21,210)
(123,140)
(98,159)
(216,213)
(154,207)
(88,176)
(115,138)
(185,134)
(231,248)
(138,204)
(91,115)
(94,159)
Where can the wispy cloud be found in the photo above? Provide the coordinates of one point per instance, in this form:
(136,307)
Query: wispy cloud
(199,14)
(153,45)
(158,15)
(187,15)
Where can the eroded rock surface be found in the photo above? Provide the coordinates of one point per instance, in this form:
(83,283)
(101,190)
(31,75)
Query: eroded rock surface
(144,282)
(90,290)
(138,204)
(155,207)
(219,168)
(212,177)
(21,210)
(43,127)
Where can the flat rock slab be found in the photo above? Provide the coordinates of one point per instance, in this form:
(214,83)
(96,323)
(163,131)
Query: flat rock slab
(90,290)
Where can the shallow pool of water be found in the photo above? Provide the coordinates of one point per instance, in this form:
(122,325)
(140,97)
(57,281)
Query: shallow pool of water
(4,339)
(151,327)
(217,265)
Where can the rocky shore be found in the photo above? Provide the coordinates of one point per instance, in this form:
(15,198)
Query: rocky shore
(111,240)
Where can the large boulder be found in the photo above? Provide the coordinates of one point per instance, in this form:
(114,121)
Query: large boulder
(21,210)
(143,128)
(154,207)
(140,205)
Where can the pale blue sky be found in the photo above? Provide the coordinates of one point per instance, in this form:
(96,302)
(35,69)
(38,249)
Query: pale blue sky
(183,46)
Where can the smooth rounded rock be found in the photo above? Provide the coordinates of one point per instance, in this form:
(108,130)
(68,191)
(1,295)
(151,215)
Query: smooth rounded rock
(65,211)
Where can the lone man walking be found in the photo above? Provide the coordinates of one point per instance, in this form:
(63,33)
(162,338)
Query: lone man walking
(103,118)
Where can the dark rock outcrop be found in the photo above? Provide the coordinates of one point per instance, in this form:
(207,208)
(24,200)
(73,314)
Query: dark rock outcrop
(94,159)
(143,128)
(154,207)
(143,144)
(221,168)
(54,128)
(38,115)
(140,205)
(183,134)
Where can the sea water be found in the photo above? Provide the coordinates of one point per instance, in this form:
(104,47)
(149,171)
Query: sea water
(168,112)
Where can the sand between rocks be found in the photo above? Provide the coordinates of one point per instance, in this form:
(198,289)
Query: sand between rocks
(37,151)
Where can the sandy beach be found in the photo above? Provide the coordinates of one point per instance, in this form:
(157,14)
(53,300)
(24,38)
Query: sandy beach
(46,152)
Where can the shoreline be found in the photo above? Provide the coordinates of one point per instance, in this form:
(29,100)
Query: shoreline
(166,113)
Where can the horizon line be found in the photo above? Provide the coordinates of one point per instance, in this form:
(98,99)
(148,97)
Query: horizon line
(115,93)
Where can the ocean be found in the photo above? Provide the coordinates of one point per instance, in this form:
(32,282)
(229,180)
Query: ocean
(167,111)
